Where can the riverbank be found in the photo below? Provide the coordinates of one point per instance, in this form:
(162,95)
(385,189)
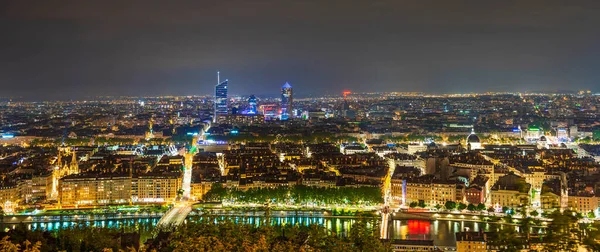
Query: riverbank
(112,209)
(468,217)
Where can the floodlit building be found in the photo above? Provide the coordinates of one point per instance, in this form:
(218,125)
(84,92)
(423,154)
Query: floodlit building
(81,190)
(220,99)
(428,190)
(286,101)
(198,190)
(533,133)
(38,188)
(583,203)
(252,105)
(473,141)
(149,188)
(9,193)
(94,190)
(511,191)
(470,242)
(414,148)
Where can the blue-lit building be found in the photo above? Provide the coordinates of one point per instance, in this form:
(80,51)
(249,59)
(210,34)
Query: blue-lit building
(252,105)
(220,100)
(286,101)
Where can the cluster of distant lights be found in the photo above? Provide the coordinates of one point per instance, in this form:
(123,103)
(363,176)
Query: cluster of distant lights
(7,136)
(208,133)
(210,142)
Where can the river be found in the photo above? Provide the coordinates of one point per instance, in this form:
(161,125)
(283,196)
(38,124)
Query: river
(442,232)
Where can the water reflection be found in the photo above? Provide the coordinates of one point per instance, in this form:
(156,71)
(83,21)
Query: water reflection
(441,231)
(338,226)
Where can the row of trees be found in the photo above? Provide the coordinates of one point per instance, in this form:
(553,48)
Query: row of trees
(71,239)
(450,205)
(59,141)
(97,141)
(297,195)
(312,138)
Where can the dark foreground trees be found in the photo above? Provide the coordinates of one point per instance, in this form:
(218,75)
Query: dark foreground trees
(207,235)
(564,233)
(70,239)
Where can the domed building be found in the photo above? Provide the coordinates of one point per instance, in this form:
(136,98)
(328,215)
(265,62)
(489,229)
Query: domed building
(473,141)
(543,142)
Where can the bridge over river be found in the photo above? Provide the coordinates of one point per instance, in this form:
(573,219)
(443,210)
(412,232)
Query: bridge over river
(176,215)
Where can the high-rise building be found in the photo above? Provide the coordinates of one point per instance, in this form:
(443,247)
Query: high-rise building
(286,101)
(220,98)
(252,105)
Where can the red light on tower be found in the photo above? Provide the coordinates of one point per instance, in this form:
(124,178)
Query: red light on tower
(346,93)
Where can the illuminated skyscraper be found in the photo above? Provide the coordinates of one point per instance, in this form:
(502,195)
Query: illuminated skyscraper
(252,105)
(286,101)
(220,98)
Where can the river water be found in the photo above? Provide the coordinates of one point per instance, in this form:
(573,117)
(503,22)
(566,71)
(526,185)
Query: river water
(442,232)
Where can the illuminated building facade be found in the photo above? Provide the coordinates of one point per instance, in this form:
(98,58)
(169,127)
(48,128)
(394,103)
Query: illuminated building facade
(473,141)
(92,190)
(8,193)
(252,105)
(583,203)
(562,134)
(286,101)
(550,201)
(113,190)
(220,100)
(38,188)
(533,133)
(78,191)
(475,195)
(471,241)
(243,119)
(9,198)
(509,198)
(198,190)
(511,191)
(269,111)
(155,188)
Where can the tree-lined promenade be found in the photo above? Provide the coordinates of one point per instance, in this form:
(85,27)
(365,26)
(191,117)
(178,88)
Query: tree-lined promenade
(298,195)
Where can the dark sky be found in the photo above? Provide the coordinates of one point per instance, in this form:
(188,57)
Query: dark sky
(73,49)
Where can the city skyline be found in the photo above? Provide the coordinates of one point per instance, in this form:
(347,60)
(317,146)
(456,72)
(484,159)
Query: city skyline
(414,166)
(348,125)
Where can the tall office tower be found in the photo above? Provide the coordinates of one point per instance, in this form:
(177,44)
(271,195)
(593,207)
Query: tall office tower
(252,105)
(286,101)
(220,99)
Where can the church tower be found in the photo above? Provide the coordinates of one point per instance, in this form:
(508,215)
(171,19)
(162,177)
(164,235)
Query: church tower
(74,166)
(150,132)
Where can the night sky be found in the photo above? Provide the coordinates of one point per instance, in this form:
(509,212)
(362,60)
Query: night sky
(82,48)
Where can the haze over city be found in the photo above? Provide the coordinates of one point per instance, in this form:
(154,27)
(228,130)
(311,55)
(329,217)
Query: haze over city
(77,49)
